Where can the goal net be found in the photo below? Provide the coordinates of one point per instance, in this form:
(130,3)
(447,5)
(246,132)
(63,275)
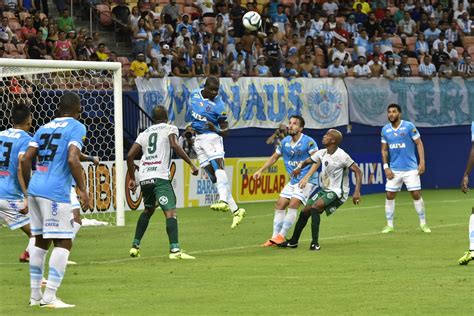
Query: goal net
(41,83)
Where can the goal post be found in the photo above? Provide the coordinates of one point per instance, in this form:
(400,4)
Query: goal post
(41,82)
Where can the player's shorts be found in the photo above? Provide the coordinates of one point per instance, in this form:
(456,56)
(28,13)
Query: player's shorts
(74,200)
(208,147)
(51,219)
(10,213)
(159,190)
(294,191)
(411,179)
(331,201)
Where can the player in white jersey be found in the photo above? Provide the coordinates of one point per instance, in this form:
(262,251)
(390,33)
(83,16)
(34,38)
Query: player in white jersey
(13,204)
(156,143)
(399,139)
(469,255)
(334,184)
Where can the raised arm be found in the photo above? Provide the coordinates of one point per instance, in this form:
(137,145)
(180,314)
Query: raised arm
(270,161)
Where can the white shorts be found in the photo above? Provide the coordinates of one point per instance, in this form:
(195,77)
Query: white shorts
(294,191)
(10,213)
(208,147)
(74,200)
(51,219)
(411,179)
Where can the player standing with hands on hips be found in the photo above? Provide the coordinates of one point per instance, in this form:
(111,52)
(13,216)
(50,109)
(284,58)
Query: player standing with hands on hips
(399,139)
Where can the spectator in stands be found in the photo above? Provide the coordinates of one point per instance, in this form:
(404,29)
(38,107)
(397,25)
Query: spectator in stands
(6,34)
(365,6)
(447,70)
(154,48)
(361,70)
(421,46)
(199,69)
(44,28)
(416,12)
(182,69)
(423,23)
(101,52)
(90,49)
(452,52)
(376,67)
(288,72)
(154,70)
(439,55)
(63,49)
(185,25)
(342,54)
(386,46)
(438,13)
(361,44)
(465,24)
(404,69)
(165,63)
(179,42)
(376,52)
(336,70)
(399,15)
(466,68)
(452,34)
(65,22)
(427,70)
(220,29)
(459,11)
(432,33)
(133,18)
(390,69)
(236,15)
(440,39)
(308,69)
(372,26)
(28,30)
(170,14)
(406,27)
(359,16)
(327,36)
(280,20)
(341,35)
(237,67)
(262,70)
(428,8)
(351,27)
(81,51)
(272,52)
(330,7)
(35,48)
(388,24)
(138,67)
(205,7)
(140,37)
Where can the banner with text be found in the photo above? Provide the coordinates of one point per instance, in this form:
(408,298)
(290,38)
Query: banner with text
(254,102)
(427,103)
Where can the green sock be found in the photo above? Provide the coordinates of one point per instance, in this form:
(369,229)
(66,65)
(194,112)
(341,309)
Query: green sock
(142,225)
(300,224)
(315,221)
(172,231)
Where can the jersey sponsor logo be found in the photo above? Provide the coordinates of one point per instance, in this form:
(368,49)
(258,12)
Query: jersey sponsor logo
(55,125)
(325,104)
(397,146)
(163,200)
(4,173)
(151,163)
(198,117)
(293,163)
(10,134)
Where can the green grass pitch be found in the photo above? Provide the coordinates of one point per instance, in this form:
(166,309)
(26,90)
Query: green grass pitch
(358,270)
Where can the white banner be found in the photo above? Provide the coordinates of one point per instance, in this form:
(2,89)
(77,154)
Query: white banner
(426,103)
(255,102)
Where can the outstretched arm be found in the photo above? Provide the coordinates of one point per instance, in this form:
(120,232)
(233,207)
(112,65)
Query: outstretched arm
(270,161)
(310,173)
(470,164)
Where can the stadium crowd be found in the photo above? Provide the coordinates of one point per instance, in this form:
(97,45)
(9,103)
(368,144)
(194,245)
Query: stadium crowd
(298,38)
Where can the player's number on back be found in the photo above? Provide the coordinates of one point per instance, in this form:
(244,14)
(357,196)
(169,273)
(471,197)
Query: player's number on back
(7,149)
(152,143)
(48,145)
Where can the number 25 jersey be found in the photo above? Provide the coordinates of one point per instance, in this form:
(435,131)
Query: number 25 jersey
(52,179)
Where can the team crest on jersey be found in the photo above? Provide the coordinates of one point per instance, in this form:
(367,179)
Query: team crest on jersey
(163,200)
(330,195)
(325,104)
(326,163)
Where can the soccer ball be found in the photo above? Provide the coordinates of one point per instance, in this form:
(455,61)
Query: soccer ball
(252,21)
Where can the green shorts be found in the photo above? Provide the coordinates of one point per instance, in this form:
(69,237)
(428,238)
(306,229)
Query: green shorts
(330,199)
(159,190)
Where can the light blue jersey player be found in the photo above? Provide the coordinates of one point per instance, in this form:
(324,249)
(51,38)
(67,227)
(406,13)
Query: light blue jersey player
(13,144)
(294,149)
(399,140)
(57,148)
(209,120)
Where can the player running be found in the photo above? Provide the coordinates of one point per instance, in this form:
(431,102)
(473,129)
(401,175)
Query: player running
(469,255)
(13,205)
(334,184)
(57,147)
(156,143)
(399,138)
(294,148)
(209,120)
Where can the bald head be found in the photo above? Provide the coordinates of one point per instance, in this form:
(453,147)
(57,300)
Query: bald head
(337,135)
(160,114)
(211,88)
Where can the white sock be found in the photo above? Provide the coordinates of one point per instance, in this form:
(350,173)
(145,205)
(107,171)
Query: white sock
(222,185)
(31,244)
(420,209)
(389,211)
(231,202)
(471,232)
(75,229)
(290,219)
(278,220)
(37,256)
(57,268)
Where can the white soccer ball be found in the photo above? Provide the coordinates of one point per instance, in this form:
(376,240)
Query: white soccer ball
(252,21)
